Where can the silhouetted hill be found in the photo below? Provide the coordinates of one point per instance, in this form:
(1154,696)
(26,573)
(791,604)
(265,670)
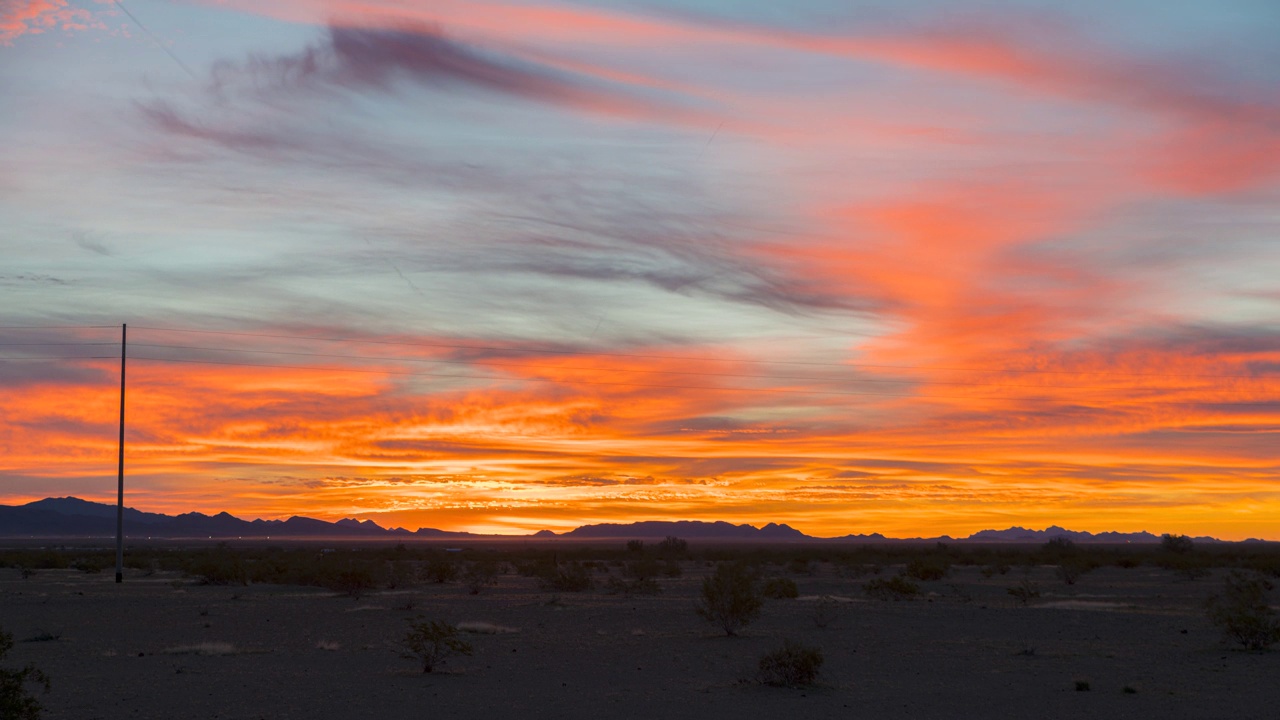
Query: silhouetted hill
(73,517)
(687,529)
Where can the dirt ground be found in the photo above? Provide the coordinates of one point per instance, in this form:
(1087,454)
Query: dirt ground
(159,646)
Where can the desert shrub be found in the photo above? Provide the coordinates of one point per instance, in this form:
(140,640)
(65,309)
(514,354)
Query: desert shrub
(673,547)
(1059,547)
(1242,611)
(825,611)
(638,586)
(441,570)
(1025,591)
(672,569)
(353,581)
(792,666)
(857,570)
(16,703)
(928,568)
(730,598)
(481,574)
(780,588)
(218,568)
(895,588)
(1128,562)
(89,564)
(642,568)
(431,642)
(399,574)
(1071,568)
(635,546)
(1188,567)
(991,570)
(566,577)
(1177,544)
(800,566)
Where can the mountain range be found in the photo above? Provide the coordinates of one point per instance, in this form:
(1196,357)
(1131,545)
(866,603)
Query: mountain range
(73,517)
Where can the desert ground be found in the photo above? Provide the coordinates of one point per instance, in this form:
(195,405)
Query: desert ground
(160,645)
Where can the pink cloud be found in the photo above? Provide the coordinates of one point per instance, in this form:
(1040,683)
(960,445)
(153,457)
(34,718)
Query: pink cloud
(33,17)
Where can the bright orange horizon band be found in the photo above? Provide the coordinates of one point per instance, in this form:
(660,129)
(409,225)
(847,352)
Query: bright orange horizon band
(557,442)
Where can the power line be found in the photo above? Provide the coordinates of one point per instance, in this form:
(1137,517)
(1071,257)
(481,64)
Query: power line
(548,351)
(156,40)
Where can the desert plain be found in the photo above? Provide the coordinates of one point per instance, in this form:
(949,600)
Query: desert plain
(1121,642)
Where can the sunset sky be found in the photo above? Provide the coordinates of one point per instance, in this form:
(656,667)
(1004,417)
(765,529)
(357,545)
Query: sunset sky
(902,267)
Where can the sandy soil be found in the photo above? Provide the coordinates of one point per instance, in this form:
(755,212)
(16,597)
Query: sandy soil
(160,647)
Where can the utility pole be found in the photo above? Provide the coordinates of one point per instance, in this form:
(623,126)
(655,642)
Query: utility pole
(124,329)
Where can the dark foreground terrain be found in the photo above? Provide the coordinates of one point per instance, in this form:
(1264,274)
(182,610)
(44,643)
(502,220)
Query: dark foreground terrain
(163,645)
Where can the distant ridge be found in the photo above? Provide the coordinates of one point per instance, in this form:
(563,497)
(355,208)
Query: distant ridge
(73,517)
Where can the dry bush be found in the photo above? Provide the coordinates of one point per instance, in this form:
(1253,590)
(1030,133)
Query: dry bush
(569,577)
(781,588)
(825,611)
(895,588)
(353,581)
(639,586)
(441,570)
(1025,591)
(730,598)
(204,648)
(792,666)
(431,642)
(928,568)
(1242,611)
(1070,569)
(15,702)
(480,575)
(1177,544)
(673,548)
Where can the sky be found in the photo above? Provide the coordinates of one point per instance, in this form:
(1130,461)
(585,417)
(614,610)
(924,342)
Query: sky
(904,267)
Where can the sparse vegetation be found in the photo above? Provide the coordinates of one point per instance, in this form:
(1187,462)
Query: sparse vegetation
(781,588)
(566,577)
(480,575)
(1242,612)
(895,588)
(431,642)
(353,581)
(16,702)
(730,598)
(673,548)
(1070,569)
(1177,544)
(794,665)
(928,568)
(825,611)
(1025,591)
(441,570)
(992,570)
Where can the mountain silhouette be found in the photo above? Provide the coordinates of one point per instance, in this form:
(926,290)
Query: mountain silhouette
(73,517)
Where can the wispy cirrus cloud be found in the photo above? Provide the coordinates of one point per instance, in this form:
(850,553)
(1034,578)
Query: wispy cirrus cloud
(377,59)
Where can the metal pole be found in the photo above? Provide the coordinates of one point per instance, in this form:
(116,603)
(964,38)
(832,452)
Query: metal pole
(120,476)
